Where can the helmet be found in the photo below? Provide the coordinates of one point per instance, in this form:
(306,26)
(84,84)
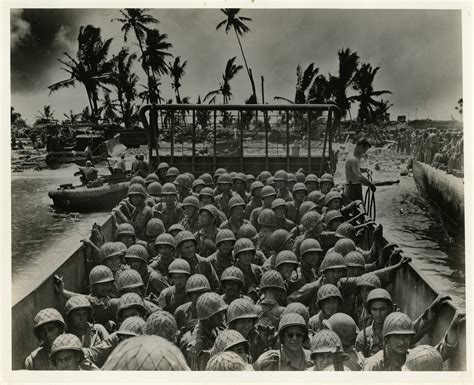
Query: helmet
(224,179)
(151,178)
(233,273)
(298,308)
(255,185)
(327,291)
(198,182)
(354,259)
(272,280)
(281,175)
(45,316)
(176,227)
(246,231)
(137,180)
(154,227)
(278,239)
(311,178)
(424,358)
(154,188)
(210,209)
(146,353)
(165,239)
(267,191)
(227,361)
(310,219)
(77,302)
(241,308)
(137,251)
(179,266)
(279,203)
(286,256)
(190,177)
(263,176)
(172,171)
(242,245)
(111,249)
(331,195)
(124,229)
(132,326)
(240,176)
(300,187)
(129,279)
(331,216)
(197,282)
(344,326)
(326,178)
(315,196)
(369,280)
(378,294)
(309,245)
(397,323)
(305,207)
(129,300)
(267,217)
(325,341)
(184,236)
(162,165)
(224,235)
(191,201)
(136,189)
(345,230)
(183,181)
(344,246)
(291,319)
(207,179)
(250,178)
(313,323)
(228,339)
(300,177)
(66,342)
(169,189)
(206,191)
(332,260)
(163,324)
(209,304)
(100,274)
(236,201)
(220,171)
(291,177)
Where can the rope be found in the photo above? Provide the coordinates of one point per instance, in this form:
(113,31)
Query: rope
(369,200)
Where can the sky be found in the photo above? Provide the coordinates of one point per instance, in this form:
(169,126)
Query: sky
(419,53)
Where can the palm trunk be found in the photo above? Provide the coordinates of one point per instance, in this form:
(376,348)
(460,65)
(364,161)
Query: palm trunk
(246,66)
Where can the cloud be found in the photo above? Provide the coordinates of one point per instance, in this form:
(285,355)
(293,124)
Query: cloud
(63,37)
(20,29)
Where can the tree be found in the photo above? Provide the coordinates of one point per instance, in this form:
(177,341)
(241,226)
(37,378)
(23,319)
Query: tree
(176,70)
(459,106)
(45,117)
(108,109)
(72,118)
(304,81)
(231,69)
(236,22)
(16,121)
(381,111)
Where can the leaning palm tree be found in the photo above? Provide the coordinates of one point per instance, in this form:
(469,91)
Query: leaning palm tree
(72,118)
(176,70)
(304,81)
(236,22)
(45,117)
(231,69)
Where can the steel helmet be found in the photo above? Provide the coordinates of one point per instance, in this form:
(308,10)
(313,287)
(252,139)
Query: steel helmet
(315,196)
(281,175)
(162,323)
(191,201)
(397,323)
(344,326)
(345,230)
(233,273)
(154,227)
(291,319)
(77,302)
(207,179)
(227,361)
(240,176)
(325,341)
(197,282)
(198,182)
(224,179)
(331,216)
(267,191)
(286,256)
(424,358)
(100,274)
(132,326)
(129,279)
(327,291)
(298,308)
(206,191)
(154,189)
(66,342)
(210,209)
(311,178)
(184,236)
(250,178)
(232,174)
(332,260)
(176,227)
(137,180)
(111,249)
(255,185)
(220,171)
(243,245)
(172,171)
(354,259)
(313,323)
(179,266)
(291,177)
(300,187)
(264,175)
(369,280)
(272,279)
(330,196)
(224,235)
(305,207)
(136,189)
(190,177)
(300,177)
(151,178)
(309,245)
(241,308)
(378,294)
(162,165)
(209,304)
(311,219)
(169,189)
(124,229)
(129,300)
(236,201)
(45,316)
(228,339)
(327,178)
(165,239)
(279,203)
(246,231)
(146,353)
(183,181)
(344,246)
(137,251)
(278,239)
(267,217)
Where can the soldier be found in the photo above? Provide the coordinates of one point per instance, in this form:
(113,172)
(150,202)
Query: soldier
(256,198)
(248,231)
(151,178)
(236,210)
(131,305)
(311,255)
(162,324)
(183,186)
(364,286)
(221,201)
(312,182)
(207,179)
(286,263)
(227,361)
(169,211)
(67,354)
(278,241)
(332,201)
(291,182)
(172,297)
(161,171)
(240,186)
(233,285)
(281,181)
(423,358)
(299,193)
(329,301)
(125,234)
(206,196)
(231,341)
(171,174)
(197,186)
(191,208)
(333,219)
(165,246)
(280,207)
(207,233)
(354,177)
(312,227)
(244,253)
(154,228)
(222,258)
(272,287)
(266,226)
(268,195)
(326,183)
(111,253)
(326,351)
(175,229)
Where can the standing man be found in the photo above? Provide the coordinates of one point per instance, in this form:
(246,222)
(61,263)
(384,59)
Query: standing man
(354,177)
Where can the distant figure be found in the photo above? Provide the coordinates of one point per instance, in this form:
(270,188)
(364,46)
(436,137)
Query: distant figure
(88,173)
(136,164)
(354,177)
(139,166)
(121,164)
(88,151)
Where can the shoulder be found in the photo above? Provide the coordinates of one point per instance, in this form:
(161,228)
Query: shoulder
(375,362)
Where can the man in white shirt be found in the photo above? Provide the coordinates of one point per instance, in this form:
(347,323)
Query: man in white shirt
(354,177)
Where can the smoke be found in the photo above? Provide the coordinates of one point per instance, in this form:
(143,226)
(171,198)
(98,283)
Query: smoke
(20,29)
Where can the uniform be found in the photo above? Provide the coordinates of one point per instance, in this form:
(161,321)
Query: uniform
(170,299)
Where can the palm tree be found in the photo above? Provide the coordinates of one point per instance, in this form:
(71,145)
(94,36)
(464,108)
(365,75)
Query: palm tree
(363,82)
(45,117)
(231,69)
(381,111)
(304,81)
(459,106)
(236,22)
(176,70)
(108,109)
(72,118)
